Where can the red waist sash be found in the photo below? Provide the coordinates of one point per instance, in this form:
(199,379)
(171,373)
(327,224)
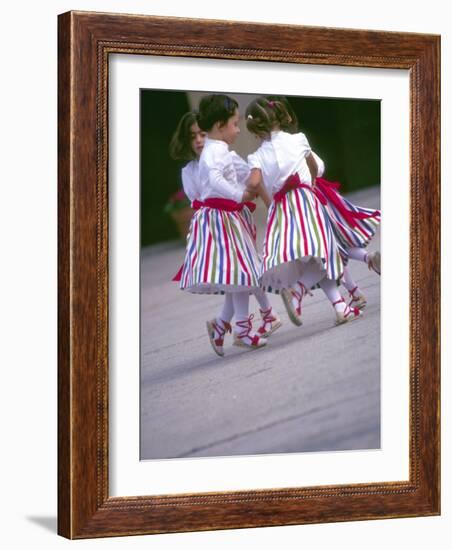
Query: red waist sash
(223,204)
(326,191)
(291,183)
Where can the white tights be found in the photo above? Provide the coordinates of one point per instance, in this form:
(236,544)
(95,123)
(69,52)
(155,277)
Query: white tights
(357,253)
(331,290)
(227,311)
(235,303)
(312,274)
(348,281)
(354,253)
(238,303)
(262,300)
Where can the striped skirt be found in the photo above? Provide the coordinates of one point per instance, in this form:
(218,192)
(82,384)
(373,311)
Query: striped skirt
(298,231)
(221,253)
(353,225)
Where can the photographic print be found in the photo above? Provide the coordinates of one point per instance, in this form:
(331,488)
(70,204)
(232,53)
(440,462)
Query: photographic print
(206,357)
(260,274)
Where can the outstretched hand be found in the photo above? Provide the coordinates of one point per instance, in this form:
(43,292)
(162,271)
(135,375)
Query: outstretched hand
(255,186)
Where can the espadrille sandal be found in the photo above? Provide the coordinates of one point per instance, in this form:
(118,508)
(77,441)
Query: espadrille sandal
(270,323)
(216,335)
(357,300)
(349,313)
(245,338)
(294,312)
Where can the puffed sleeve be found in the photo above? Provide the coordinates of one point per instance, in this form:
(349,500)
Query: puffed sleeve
(254,161)
(189,181)
(223,180)
(242,169)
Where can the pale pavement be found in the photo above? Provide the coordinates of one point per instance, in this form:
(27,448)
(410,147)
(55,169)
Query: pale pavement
(313,388)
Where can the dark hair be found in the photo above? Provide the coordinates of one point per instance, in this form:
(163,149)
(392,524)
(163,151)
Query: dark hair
(215,108)
(288,126)
(180,145)
(263,115)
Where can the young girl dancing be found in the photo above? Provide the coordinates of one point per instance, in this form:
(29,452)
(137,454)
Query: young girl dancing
(221,256)
(187,144)
(354,225)
(301,248)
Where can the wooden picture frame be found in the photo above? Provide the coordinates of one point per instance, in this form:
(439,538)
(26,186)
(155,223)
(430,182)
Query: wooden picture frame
(85,42)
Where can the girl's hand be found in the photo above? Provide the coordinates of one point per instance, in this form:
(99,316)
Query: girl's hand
(256,185)
(263,194)
(254,180)
(248,196)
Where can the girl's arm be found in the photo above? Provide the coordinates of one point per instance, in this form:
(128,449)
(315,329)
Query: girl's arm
(320,165)
(263,194)
(223,188)
(256,186)
(309,157)
(312,165)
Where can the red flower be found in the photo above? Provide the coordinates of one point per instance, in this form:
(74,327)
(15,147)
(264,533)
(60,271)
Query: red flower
(177,201)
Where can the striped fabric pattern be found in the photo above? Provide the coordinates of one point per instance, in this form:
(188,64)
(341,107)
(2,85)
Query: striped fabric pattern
(249,220)
(221,253)
(298,227)
(348,236)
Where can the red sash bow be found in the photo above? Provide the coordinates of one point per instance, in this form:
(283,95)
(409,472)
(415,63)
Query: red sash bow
(326,191)
(291,183)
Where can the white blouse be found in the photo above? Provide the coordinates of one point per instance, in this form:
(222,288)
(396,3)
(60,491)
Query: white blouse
(222,173)
(281,156)
(190,180)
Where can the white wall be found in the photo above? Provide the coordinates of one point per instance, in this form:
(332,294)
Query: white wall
(28,272)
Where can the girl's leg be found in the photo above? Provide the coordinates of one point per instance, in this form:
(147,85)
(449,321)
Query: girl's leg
(357,253)
(227,311)
(357,297)
(331,291)
(347,279)
(344,313)
(293,297)
(243,333)
(372,259)
(241,302)
(262,299)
